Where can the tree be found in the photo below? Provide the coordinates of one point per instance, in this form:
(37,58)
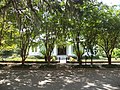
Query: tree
(90,43)
(7,31)
(80,19)
(108,36)
(74,21)
(26,25)
(51,28)
(90,29)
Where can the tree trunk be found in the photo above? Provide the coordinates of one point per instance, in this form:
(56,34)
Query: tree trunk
(79,59)
(49,57)
(23,56)
(91,59)
(45,58)
(109,59)
(23,60)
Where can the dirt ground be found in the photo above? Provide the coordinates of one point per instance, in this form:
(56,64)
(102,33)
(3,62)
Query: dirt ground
(67,79)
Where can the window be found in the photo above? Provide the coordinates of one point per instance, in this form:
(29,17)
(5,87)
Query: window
(34,49)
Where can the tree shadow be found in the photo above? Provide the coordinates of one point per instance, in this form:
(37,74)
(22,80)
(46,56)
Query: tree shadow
(46,66)
(77,79)
(111,66)
(20,66)
(85,66)
(2,66)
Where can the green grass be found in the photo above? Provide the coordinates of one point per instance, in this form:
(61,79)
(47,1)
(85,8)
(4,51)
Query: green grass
(104,59)
(83,60)
(19,59)
(97,60)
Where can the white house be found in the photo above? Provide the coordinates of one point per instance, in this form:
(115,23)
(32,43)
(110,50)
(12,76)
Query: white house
(62,51)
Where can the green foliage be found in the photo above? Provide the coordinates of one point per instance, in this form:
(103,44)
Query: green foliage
(43,51)
(54,58)
(35,57)
(101,52)
(116,53)
(39,57)
(94,57)
(31,57)
(26,23)
(6,54)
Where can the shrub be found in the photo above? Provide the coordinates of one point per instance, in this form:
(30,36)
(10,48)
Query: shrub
(13,56)
(72,58)
(88,57)
(116,53)
(6,54)
(96,57)
(31,57)
(53,58)
(39,57)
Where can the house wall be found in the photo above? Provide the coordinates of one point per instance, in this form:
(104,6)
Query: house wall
(33,53)
(55,51)
(69,51)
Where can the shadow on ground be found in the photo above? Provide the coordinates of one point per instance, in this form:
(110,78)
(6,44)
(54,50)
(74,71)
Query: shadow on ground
(2,66)
(77,79)
(20,66)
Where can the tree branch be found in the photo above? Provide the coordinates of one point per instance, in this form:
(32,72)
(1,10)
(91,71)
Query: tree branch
(5,6)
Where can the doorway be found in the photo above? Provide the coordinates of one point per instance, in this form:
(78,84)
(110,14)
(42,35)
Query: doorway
(62,50)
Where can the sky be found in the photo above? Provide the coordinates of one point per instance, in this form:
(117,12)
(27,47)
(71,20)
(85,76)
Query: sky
(110,2)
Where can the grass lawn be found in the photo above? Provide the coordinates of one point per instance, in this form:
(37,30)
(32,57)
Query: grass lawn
(83,60)
(19,59)
(97,60)
(103,59)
